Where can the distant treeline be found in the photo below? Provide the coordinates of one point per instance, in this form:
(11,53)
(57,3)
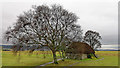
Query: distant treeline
(5,47)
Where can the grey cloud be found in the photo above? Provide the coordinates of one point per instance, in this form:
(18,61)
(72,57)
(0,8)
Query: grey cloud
(99,16)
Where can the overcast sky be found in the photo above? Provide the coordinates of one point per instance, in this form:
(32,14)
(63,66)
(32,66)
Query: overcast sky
(96,15)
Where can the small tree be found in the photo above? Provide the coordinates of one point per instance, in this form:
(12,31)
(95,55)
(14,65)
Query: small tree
(46,26)
(93,39)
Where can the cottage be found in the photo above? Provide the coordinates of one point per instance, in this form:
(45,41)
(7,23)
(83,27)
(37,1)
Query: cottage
(79,50)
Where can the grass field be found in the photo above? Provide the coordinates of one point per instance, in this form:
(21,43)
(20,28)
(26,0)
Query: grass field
(106,58)
(8,59)
(0,56)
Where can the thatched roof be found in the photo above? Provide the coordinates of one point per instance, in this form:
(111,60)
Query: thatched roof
(80,47)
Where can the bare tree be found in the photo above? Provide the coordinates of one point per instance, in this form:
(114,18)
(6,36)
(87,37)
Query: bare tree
(46,26)
(93,39)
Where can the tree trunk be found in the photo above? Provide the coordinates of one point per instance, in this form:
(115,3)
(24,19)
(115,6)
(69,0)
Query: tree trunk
(44,54)
(19,57)
(63,56)
(60,54)
(95,55)
(54,57)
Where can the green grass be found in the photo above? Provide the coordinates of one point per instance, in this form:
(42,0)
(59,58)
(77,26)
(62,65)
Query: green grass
(8,59)
(0,56)
(106,58)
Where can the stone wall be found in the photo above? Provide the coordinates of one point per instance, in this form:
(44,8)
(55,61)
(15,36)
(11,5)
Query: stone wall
(76,56)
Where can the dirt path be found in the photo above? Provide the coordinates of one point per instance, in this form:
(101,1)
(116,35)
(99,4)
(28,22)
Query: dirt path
(47,63)
(65,67)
